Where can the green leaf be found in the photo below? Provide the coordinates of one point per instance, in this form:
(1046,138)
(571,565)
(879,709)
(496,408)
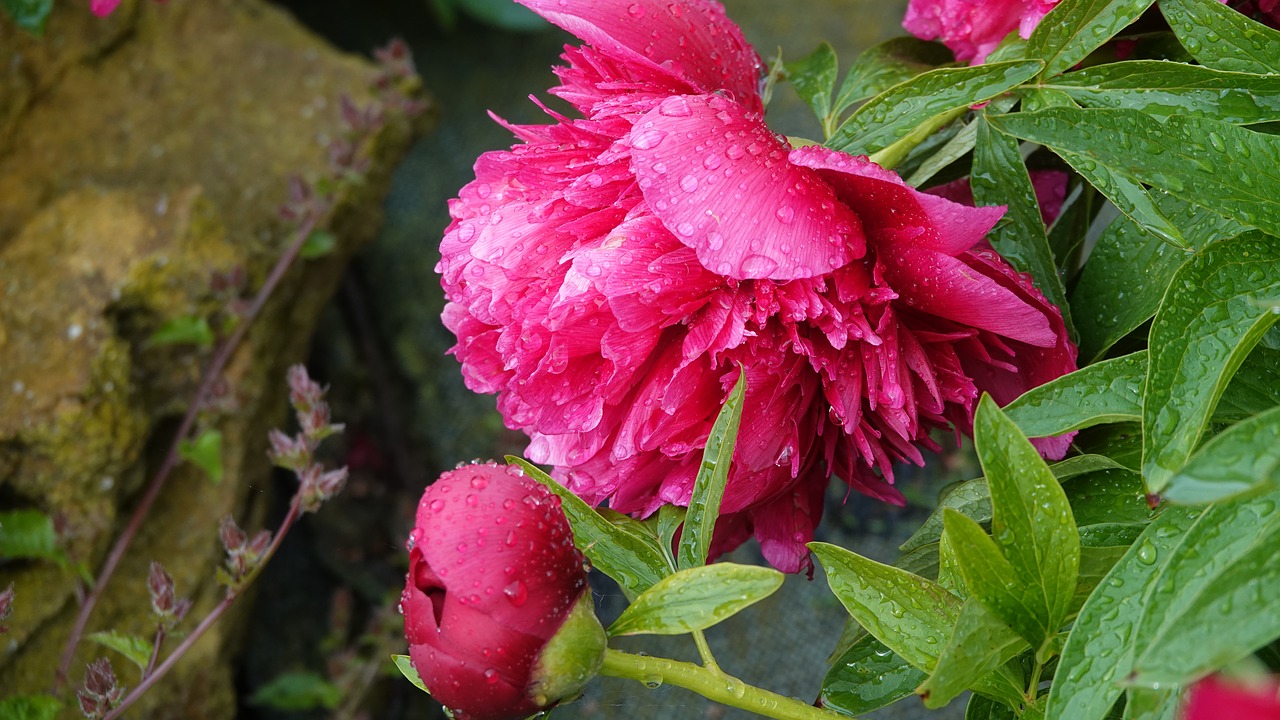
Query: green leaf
(185,330)
(1000,178)
(1129,269)
(814,78)
(1095,563)
(972,498)
(899,110)
(882,66)
(1159,88)
(994,581)
(30,707)
(955,148)
(1102,535)
(405,666)
(28,535)
(1105,392)
(1254,388)
(1192,594)
(205,452)
(1121,442)
(1149,704)
(1217,165)
(1242,458)
(502,14)
(1222,38)
(696,598)
(980,645)
(1112,495)
(635,564)
(1031,523)
(1211,317)
(666,523)
(1128,196)
(911,615)
(30,15)
(868,676)
(983,708)
(708,488)
(318,244)
(298,691)
(138,650)
(1076,28)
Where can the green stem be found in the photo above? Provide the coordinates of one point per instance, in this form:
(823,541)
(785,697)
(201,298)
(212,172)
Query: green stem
(724,689)
(704,650)
(891,156)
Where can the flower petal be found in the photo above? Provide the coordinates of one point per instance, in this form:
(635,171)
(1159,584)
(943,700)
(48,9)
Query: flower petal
(719,180)
(692,41)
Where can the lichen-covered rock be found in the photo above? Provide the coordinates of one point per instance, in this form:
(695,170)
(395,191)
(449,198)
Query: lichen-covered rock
(139,155)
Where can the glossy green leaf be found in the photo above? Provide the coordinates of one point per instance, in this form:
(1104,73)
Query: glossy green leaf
(1222,38)
(1254,388)
(1105,392)
(1036,98)
(980,645)
(298,691)
(30,15)
(949,577)
(1148,704)
(1242,458)
(972,498)
(1102,535)
(1191,594)
(1112,495)
(1018,602)
(205,452)
(899,110)
(632,562)
(882,66)
(1223,167)
(1076,28)
(138,650)
(956,147)
(30,707)
(184,330)
(405,666)
(866,677)
(911,615)
(696,598)
(983,708)
(708,488)
(1095,563)
(1129,269)
(814,78)
(1031,522)
(1000,177)
(1211,317)
(668,521)
(1159,88)
(1128,196)
(28,535)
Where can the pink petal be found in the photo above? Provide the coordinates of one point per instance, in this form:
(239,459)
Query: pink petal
(692,41)
(720,182)
(102,8)
(894,212)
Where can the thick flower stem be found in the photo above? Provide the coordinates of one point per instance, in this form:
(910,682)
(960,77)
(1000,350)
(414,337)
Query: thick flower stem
(717,686)
(891,156)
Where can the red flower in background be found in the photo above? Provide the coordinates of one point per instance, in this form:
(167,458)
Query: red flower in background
(494,579)
(1214,698)
(608,275)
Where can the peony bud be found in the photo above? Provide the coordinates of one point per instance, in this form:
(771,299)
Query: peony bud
(496,607)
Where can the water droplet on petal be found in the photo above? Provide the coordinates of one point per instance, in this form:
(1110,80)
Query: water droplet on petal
(688,183)
(516,592)
(491,676)
(436,505)
(648,139)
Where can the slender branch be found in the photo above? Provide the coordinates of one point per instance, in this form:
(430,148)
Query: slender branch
(724,689)
(295,511)
(704,651)
(155,651)
(210,378)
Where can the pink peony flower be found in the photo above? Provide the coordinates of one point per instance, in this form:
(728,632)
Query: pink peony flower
(973,28)
(494,583)
(1214,698)
(608,275)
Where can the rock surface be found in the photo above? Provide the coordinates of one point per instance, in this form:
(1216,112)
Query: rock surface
(139,154)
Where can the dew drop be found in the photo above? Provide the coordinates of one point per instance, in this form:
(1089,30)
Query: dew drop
(688,183)
(436,505)
(516,592)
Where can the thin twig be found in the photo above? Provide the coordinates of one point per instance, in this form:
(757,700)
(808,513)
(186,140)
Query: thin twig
(210,378)
(155,651)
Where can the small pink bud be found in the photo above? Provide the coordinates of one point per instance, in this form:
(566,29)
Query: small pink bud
(101,691)
(260,543)
(497,629)
(288,452)
(233,538)
(6,606)
(160,584)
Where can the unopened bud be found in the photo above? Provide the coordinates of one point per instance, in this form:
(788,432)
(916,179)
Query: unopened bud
(101,691)
(291,453)
(6,606)
(303,391)
(160,584)
(233,538)
(260,543)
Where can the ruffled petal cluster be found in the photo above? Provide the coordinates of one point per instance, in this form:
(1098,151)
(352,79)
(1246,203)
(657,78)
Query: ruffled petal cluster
(973,28)
(609,274)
